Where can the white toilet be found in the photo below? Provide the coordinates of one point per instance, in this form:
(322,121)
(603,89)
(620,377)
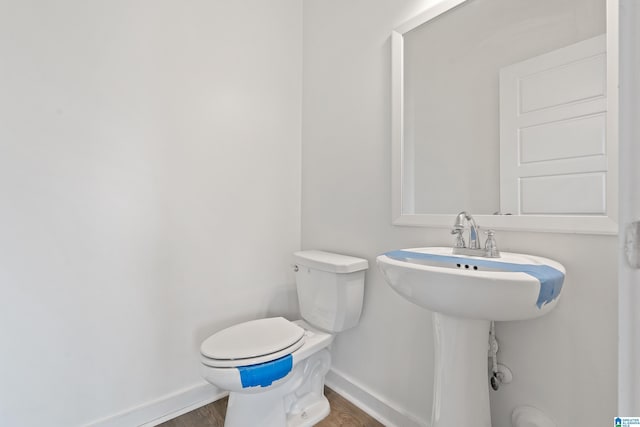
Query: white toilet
(274,369)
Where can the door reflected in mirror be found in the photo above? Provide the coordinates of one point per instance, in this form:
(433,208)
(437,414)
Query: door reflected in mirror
(505,106)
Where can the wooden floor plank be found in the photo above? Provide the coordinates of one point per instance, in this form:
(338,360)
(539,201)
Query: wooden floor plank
(343,413)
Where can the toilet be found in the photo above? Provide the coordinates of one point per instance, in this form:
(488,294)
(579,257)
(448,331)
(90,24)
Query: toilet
(273,368)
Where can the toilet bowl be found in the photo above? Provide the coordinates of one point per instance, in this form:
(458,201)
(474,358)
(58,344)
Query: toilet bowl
(273,368)
(288,382)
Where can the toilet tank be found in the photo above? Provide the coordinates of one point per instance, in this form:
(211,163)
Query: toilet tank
(330,289)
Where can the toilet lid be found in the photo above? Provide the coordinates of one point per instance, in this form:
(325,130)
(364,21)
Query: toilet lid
(252,339)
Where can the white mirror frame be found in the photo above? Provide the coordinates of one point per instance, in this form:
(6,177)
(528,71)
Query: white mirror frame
(602,224)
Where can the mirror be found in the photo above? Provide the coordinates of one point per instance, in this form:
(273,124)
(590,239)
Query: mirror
(507,109)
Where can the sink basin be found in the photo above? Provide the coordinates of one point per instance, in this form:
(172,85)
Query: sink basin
(465,293)
(512,287)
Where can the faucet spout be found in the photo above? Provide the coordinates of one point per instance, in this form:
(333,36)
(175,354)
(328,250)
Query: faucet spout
(458,227)
(460,219)
(474,236)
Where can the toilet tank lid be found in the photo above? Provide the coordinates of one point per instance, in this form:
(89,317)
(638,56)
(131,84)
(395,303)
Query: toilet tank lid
(327,261)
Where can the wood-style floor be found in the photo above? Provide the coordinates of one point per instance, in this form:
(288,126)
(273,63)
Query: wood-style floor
(343,413)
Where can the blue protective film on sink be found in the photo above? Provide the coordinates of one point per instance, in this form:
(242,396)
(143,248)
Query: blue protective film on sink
(266,373)
(550,278)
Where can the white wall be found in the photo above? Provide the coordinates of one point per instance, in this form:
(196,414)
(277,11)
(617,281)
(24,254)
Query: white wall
(564,363)
(629,297)
(150,182)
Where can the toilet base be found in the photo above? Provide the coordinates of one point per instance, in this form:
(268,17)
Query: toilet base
(315,409)
(297,400)
(528,416)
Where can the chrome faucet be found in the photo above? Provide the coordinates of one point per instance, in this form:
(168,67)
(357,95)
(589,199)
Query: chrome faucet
(458,228)
(475,248)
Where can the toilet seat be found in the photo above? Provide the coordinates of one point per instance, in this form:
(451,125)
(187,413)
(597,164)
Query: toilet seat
(252,342)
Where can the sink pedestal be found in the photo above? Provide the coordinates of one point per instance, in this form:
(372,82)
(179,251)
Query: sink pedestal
(461,383)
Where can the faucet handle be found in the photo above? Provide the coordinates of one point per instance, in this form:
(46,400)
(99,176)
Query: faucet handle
(459,239)
(490,246)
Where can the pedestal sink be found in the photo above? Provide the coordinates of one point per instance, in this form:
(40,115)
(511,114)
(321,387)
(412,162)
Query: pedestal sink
(465,293)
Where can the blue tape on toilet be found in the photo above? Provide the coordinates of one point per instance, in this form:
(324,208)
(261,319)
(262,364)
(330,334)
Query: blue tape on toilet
(550,278)
(266,373)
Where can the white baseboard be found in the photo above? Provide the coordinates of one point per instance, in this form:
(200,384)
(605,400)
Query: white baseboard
(385,411)
(167,407)
(163,409)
